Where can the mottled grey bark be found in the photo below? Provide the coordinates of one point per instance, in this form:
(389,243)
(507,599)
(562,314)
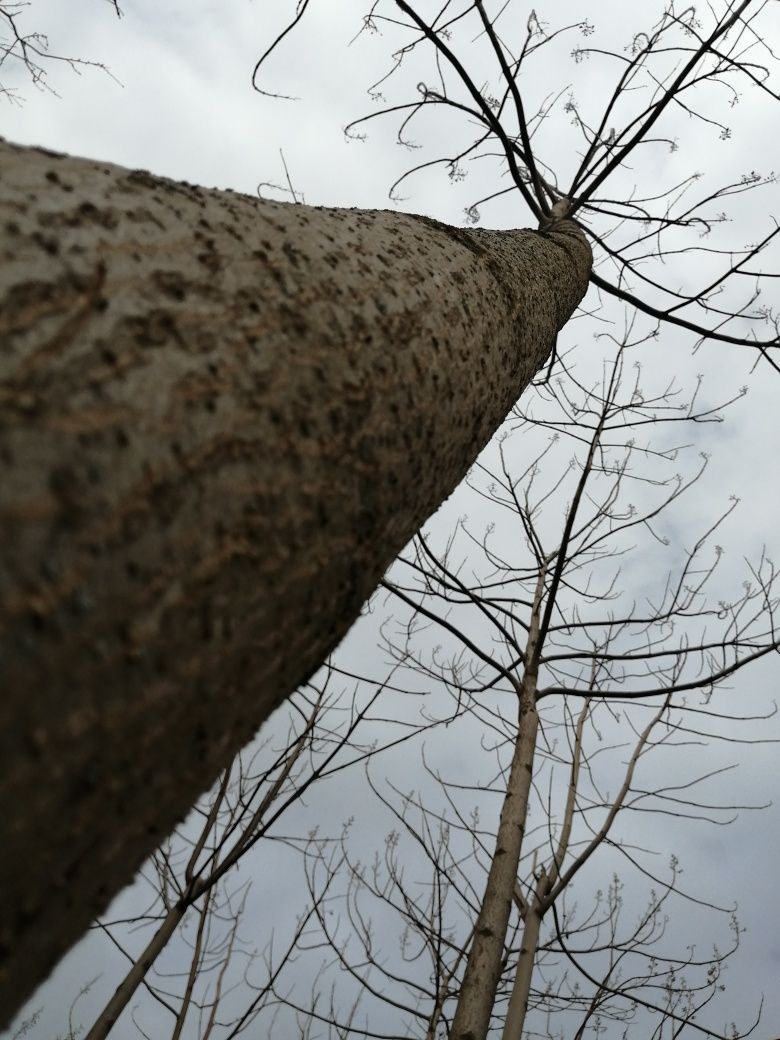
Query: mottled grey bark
(220,419)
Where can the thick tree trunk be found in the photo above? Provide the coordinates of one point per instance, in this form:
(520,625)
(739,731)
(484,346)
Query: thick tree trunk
(220,419)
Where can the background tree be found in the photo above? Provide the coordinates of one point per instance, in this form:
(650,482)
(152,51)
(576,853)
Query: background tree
(570,687)
(190,870)
(639,226)
(700,53)
(26,51)
(194,893)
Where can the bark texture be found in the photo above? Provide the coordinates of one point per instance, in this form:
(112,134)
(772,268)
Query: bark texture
(220,420)
(485,961)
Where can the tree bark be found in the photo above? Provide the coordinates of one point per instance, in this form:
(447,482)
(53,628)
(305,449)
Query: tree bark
(484,965)
(133,979)
(517,1008)
(485,961)
(220,420)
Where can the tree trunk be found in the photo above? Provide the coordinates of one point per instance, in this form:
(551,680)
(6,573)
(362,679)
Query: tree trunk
(483,968)
(220,420)
(477,996)
(137,973)
(516,1011)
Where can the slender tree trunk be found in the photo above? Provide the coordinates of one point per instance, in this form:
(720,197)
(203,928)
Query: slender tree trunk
(220,420)
(130,983)
(521,987)
(196,963)
(483,967)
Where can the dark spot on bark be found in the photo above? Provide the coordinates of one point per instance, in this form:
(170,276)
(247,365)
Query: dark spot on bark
(210,259)
(230,230)
(171,283)
(144,216)
(154,329)
(48,243)
(296,321)
(143,178)
(291,253)
(104,217)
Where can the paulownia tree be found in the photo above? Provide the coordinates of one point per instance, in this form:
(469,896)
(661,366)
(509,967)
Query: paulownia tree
(562,689)
(223,417)
(197,898)
(164,577)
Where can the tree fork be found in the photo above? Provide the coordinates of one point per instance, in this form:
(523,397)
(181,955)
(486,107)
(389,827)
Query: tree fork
(220,419)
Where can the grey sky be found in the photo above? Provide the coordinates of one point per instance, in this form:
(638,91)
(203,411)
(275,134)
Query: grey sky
(179,103)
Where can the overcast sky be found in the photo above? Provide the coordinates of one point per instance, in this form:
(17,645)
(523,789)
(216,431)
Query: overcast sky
(178,101)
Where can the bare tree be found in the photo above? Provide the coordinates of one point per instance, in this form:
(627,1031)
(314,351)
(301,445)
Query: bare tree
(192,437)
(192,876)
(27,51)
(494,940)
(639,229)
(189,872)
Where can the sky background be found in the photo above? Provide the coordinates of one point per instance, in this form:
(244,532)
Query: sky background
(178,101)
